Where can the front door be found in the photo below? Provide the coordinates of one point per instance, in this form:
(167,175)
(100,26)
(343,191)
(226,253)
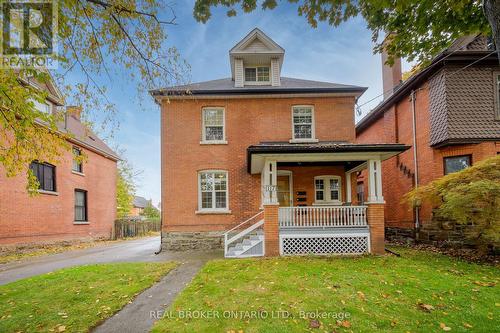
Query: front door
(284,197)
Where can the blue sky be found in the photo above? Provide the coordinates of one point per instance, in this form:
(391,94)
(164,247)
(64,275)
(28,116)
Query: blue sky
(341,55)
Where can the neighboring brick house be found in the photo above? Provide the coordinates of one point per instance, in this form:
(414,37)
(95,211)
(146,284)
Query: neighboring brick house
(269,157)
(75,200)
(138,205)
(450,113)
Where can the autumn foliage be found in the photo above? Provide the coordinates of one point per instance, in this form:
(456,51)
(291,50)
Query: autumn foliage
(471,197)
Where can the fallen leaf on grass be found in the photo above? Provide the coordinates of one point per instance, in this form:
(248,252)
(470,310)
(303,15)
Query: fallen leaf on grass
(467,325)
(425,307)
(314,324)
(485,284)
(444,327)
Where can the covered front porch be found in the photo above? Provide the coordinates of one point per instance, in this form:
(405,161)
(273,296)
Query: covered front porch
(311,201)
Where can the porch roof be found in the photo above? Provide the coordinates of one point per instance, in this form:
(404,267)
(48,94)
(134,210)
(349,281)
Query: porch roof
(325,151)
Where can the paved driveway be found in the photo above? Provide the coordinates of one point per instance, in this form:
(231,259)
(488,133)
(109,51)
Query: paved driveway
(138,250)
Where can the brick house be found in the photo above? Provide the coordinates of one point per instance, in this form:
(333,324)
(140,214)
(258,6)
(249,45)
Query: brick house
(264,165)
(138,205)
(75,201)
(449,113)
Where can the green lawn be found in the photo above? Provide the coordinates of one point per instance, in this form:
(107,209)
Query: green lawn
(74,299)
(418,292)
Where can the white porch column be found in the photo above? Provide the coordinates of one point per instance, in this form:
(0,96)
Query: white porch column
(269,182)
(375,181)
(348,192)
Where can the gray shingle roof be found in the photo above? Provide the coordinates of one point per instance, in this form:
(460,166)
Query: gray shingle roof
(226,86)
(81,134)
(140,202)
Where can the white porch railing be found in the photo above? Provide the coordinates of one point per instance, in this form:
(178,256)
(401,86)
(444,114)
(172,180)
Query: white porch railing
(322,217)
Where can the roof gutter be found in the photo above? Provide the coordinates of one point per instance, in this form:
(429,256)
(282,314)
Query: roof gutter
(268,91)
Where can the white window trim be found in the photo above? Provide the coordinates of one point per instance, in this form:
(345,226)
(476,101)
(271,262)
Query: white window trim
(326,190)
(204,141)
(256,82)
(213,210)
(313,126)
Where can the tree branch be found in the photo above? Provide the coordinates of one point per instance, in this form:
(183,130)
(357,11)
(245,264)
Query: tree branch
(120,8)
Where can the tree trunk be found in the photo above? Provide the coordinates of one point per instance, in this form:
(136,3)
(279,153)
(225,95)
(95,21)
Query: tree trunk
(492,13)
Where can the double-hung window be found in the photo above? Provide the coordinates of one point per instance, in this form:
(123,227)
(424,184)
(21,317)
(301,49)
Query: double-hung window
(456,163)
(212,191)
(256,74)
(327,190)
(303,123)
(213,125)
(45,174)
(80,206)
(77,163)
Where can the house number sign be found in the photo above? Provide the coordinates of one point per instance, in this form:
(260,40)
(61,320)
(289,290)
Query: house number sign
(270,188)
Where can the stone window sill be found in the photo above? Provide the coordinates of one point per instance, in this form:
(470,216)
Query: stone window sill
(48,192)
(81,222)
(212,212)
(304,141)
(223,142)
(78,173)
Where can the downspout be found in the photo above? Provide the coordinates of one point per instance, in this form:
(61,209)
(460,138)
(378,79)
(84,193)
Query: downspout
(161,182)
(415,161)
(161,228)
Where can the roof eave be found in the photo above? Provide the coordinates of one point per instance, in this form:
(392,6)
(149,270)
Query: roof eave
(406,87)
(155,93)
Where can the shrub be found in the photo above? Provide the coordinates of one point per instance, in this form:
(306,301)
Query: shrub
(470,196)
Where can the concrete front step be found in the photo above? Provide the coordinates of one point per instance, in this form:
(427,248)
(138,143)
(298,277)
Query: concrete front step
(246,244)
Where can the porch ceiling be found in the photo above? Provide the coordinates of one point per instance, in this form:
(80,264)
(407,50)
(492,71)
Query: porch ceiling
(321,152)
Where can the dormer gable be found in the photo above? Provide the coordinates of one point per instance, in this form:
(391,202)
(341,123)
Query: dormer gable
(256,60)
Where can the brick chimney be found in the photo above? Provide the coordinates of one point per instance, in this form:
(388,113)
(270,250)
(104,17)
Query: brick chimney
(391,74)
(74,111)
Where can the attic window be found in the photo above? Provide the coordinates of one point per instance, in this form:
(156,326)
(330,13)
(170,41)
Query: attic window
(256,74)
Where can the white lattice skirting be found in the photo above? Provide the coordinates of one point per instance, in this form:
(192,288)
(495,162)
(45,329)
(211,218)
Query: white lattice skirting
(325,244)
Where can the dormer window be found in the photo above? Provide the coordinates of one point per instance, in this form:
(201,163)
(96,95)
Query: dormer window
(256,74)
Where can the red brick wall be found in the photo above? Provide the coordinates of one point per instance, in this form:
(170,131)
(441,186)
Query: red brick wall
(248,122)
(45,218)
(396,126)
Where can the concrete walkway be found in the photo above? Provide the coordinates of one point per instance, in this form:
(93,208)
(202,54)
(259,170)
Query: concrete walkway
(137,250)
(140,315)
(136,316)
